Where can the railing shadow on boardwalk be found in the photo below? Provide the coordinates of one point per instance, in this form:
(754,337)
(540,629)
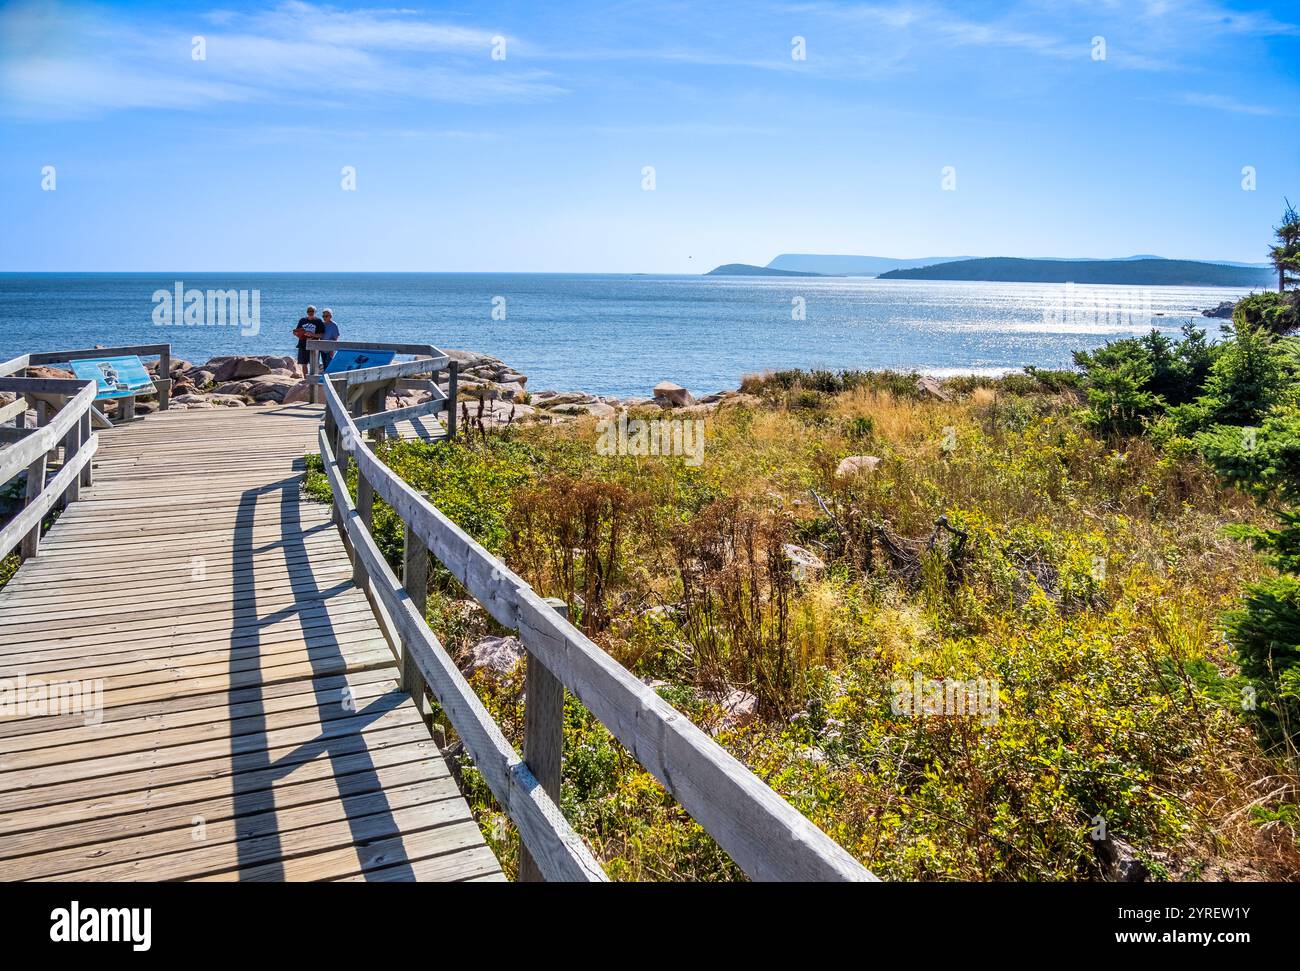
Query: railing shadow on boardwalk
(254,775)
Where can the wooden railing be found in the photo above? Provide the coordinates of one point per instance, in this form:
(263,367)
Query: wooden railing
(767,837)
(63,410)
(368,389)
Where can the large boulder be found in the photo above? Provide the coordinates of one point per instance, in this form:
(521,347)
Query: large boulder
(496,654)
(1119,861)
(673,395)
(549,399)
(270,387)
(855,465)
(45,371)
(233,368)
(804,564)
(467,360)
(739,707)
(250,367)
(500,412)
(929,387)
(597,409)
(299,392)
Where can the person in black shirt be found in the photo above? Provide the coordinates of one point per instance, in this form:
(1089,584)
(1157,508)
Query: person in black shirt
(309,329)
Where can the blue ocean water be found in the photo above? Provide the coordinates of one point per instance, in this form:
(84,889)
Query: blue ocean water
(618,334)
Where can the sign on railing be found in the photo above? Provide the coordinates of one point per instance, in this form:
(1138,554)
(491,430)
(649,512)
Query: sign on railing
(115,377)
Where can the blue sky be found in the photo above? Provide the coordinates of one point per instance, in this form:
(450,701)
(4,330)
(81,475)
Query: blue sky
(534,162)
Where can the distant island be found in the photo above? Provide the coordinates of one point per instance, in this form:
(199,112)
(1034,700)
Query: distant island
(1129,272)
(749,269)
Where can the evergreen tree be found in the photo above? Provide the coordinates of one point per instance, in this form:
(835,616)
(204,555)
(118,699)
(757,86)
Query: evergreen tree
(1286,254)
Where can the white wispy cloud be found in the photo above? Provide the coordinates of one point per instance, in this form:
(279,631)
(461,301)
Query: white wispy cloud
(79,60)
(1221,102)
(1197,14)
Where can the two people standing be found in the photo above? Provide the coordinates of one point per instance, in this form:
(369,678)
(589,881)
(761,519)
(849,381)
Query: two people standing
(313,328)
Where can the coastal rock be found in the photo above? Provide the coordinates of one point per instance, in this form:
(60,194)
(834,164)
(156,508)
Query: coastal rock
(250,367)
(804,563)
(549,399)
(479,389)
(468,360)
(929,387)
(496,654)
(502,412)
(855,465)
(191,402)
(234,368)
(1224,309)
(271,387)
(739,399)
(1119,861)
(739,707)
(597,409)
(44,371)
(674,394)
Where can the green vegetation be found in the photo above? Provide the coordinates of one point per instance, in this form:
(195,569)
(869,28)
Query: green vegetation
(1089,585)
(1074,539)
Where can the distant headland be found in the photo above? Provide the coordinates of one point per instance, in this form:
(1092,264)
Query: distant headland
(1127,271)
(1142,272)
(749,269)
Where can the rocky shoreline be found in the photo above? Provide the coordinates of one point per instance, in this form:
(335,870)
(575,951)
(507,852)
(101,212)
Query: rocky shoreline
(492,390)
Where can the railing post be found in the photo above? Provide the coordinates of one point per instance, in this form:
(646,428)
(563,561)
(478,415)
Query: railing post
(376,402)
(313,376)
(415,580)
(164,383)
(43,419)
(71,446)
(543,736)
(342,449)
(365,509)
(453,369)
(35,485)
(365,503)
(87,474)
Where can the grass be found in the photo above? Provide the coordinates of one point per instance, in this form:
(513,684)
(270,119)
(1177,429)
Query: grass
(1086,579)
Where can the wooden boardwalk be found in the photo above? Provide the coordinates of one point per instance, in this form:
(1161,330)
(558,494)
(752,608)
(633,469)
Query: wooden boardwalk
(252,725)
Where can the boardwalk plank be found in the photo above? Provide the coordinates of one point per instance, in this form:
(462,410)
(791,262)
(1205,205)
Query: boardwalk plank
(245,681)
